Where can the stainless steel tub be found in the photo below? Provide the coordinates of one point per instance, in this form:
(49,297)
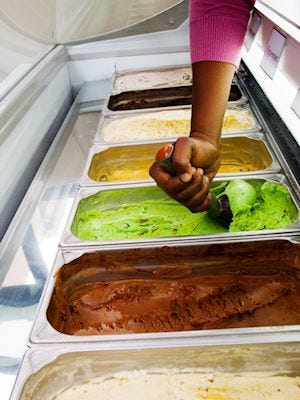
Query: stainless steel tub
(161,97)
(142,78)
(129,163)
(170,129)
(46,371)
(69,240)
(209,259)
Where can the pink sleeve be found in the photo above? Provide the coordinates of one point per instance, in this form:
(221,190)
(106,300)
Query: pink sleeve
(217,29)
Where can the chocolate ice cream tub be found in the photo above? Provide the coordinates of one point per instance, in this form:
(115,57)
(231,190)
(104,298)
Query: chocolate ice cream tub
(161,97)
(217,291)
(127,163)
(142,213)
(167,123)
(249,371)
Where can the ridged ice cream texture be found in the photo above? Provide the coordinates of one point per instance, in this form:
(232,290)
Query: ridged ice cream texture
(168,124)
(147,212)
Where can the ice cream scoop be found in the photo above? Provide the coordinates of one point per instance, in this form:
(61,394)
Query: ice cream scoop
(219,208)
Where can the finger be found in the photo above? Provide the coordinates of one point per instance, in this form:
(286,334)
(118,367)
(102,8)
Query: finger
(195,186)
(195,194)
(170,184)
(160,175)
(201,207)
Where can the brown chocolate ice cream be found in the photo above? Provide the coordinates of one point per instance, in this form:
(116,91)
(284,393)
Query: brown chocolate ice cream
(178,289)
(166,97)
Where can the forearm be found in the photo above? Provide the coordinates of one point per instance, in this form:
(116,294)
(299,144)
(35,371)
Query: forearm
(211,88)
(217,29)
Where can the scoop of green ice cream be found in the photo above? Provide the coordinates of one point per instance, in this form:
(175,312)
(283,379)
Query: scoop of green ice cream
(242,196)
(274,209)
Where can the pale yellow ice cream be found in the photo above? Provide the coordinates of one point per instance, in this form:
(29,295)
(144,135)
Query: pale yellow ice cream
(157,125)
(185,385)
(154,79)
(168,124)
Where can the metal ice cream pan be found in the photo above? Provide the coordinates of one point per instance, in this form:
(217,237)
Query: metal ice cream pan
(207,259)
(137,78)
(140,84)
(70,240)
(107,124)
(127,163)
(46,371)
(135,100)
(117,75)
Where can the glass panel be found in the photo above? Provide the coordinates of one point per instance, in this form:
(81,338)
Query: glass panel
(85,19)
(19,53)
(28,30)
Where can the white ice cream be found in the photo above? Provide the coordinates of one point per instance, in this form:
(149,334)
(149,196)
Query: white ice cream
(168,124)
(153,79)
(184,385)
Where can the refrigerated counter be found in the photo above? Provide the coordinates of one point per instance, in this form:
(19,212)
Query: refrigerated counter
(53,119)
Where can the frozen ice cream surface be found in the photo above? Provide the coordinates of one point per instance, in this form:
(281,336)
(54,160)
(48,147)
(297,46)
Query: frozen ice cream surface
(147,212)
(153,79)
(237,120)
(151,303)
(134,213)
(130,163)
(242,195)
(168,124)
(153,98)
(273,208)
(174,96)
(157,125)
(173,384)
(177,288)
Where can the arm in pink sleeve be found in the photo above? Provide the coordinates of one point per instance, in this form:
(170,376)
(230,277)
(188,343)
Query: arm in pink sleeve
(217,29)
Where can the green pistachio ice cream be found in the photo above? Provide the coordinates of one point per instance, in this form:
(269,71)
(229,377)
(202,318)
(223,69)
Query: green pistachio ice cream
(271,207)
(137,213)
(147,212)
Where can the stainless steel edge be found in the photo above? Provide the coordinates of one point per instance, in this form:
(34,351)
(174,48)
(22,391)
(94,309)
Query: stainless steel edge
(19,224)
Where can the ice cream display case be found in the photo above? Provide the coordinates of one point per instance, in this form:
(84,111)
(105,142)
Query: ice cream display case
(98,265)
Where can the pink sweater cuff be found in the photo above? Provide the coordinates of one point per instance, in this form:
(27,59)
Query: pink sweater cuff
(217,38)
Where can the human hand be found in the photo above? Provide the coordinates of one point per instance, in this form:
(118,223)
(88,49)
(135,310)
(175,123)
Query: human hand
(196,161)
